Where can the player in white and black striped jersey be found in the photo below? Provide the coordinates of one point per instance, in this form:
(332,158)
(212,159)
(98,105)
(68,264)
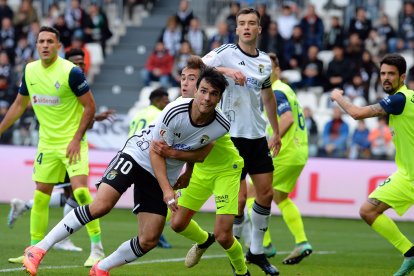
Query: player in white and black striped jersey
(187,125)
(248,71)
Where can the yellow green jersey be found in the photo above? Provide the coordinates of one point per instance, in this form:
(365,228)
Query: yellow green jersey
(400,107)
(143,119)
(54,93)
(294,150)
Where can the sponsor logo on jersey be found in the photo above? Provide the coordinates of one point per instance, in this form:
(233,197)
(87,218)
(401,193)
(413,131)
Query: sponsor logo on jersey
(177,134)
(253,83)
(82,85)
(261,68)
(162,132)
(204,139)
(45,100)
(222,199)
(242,63)
(111,175)
(57,85)
(181,147)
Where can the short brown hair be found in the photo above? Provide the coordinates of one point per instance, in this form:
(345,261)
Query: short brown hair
(249,11)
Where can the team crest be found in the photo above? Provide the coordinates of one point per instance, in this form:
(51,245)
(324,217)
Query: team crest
(57,85)
(111,175)
(261,68)
(204,139)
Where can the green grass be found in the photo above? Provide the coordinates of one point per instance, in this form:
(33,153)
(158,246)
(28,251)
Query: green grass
(342,247)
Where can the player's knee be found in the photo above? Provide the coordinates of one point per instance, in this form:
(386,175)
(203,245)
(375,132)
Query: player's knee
(148,241)
(178,225)
(366,214)
(225,239)
(99,209)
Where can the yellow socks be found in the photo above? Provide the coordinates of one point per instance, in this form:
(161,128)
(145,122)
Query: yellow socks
(39,216)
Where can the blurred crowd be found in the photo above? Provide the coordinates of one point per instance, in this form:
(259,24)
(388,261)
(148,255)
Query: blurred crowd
(339,50)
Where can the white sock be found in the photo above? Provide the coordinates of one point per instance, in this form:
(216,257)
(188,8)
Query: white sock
(67,226)
(238,226)
(57,199)
(29,204)
(260,221)
(127,252)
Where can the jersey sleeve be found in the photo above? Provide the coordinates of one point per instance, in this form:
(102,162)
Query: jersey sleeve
(78,82)
(212,59)
(164,128)
(267,83)
(23,87)
(282,103)
(393,104)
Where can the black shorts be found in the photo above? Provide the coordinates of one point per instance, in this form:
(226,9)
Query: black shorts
(123,171)
(256,155)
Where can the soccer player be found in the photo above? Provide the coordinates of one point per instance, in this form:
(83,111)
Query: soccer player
(219,174)
(186,124)
(249,71)
(397,191)
(65,107)
(158,100)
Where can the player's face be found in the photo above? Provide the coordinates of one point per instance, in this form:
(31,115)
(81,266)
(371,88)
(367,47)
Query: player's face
(47,46)
(248,28)
(78,61)
(188,82)
(390,78)
(206,97)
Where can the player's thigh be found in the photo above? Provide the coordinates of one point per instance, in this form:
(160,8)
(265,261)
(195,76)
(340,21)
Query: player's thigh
(197,192)
(397,192)
(226,192)
(48,166)
(81,167)
(285,177)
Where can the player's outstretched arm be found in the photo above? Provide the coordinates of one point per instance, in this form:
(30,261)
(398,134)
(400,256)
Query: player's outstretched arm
(192,156)
(269,102)
(357,112)
(237,75)
(106,115)
(15,111)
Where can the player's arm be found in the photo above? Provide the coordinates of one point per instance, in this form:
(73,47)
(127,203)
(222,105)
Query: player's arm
(109,114)
(193,156)
(80,87)
(269,102)
(184,180)
(284,111)
(286,121)
(160,171)
(357,112)
(17,108)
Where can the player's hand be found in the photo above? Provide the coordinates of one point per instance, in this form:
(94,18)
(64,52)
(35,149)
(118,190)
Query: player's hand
(161,148)
(336,94)
(109,115)
(171,199)
(237,75)
(73,152)
(274,144)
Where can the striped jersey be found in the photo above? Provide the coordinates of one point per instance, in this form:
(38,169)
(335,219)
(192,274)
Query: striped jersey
(242,104)
(175,127)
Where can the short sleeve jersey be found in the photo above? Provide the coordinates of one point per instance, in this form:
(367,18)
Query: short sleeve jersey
(175,127)
(294,150)
(402,128)
(54,93)
(241,104)
(143,119)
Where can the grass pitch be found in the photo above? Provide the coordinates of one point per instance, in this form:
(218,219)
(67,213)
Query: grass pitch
(341,247)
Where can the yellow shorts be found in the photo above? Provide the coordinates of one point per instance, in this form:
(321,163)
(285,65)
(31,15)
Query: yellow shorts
(224,186)
(51,165)
(285,177)
(397,192)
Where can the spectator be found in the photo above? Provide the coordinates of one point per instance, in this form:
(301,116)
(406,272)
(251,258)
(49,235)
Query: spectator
(6,69)
(405,38)
(264,17)
(197,37)
(385,30)
(231,18)
(312,28)
(286,22)
(6,137)
(158,66)
(313,135)
(52,14)
(171,35)
(355,89)
(410,78)
(8,92)
(294,50)
(184,16)
(360,24)
(64,30)
(335,36)
(180,61)
(360,145)
(26,14)
(338,69)
(223,36)
(335,136)
(354,49)
(32,35)
(272,42)
(369,72)
(24,54)
(5,10)
(312,69)
(381,140)
(96,27)
(75,17)
(78,43)
(8,37)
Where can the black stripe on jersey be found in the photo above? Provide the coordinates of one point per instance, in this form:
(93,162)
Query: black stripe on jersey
(223,121)
(267,83)
(225,46)
(173,112)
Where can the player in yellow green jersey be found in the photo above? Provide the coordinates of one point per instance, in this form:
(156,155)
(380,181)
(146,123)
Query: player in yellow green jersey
(397,191)
(65,107)
(219,174)
(288,164)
